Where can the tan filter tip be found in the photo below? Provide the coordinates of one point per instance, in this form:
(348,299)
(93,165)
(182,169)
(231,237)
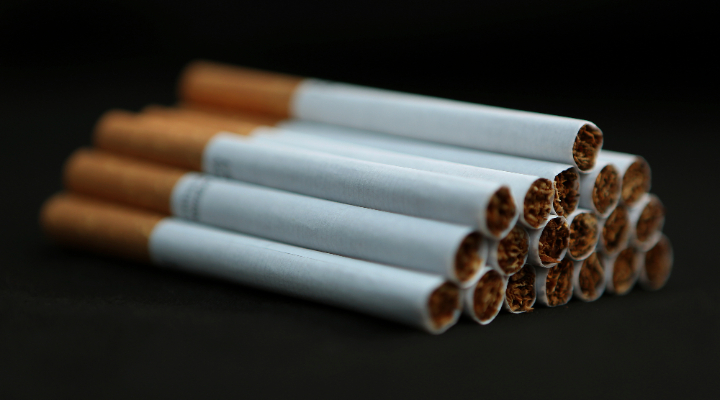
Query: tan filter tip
(97,226)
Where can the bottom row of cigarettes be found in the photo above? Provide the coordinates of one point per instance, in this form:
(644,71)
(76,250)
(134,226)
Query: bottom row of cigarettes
(427,301)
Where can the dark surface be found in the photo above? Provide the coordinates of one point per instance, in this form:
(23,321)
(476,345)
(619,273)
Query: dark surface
(73,325)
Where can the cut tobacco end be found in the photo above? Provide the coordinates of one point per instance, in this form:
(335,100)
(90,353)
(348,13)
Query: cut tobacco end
(606,191)
(500,211)
(658,265)
(624,271)
(443,305)
(583,234)
(512,251)
(520,293)
(538,202)
(615,230)
(488,296)
(554,240)
(566,192)
(636,181)
(651,219)
(467,259)
(591,277)
(558,284)
(586,147)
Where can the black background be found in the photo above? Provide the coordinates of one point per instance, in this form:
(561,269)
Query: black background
(74,325)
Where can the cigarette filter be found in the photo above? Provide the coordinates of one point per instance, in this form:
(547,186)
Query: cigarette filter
(511,252)
(483,300)
(657,265)
(486,205)
(647,218)
(615,231)
(422,300)
(524,134)
(589,278)
(600,189)
(564,176)
(634,172)
(622,270)
(554,285)
(520,294)
(584,233)
(446,249)
(549,244)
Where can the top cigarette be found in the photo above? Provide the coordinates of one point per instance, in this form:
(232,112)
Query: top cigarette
(520,133)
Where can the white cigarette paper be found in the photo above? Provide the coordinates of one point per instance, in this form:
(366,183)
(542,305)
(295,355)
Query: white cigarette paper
(634,172)
(485,205)
(554,285)
(531,193)
(488,128)
(647,218)
(451,250)
(589,278)
(549,244)
(482,301)
(585,229)
(657,265)
(600,189)
(622,270)
(521,293)
(562,174)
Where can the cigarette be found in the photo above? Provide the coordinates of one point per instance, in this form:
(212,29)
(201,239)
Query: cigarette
(564,176)
(549,244)
(488,206)
(454,251)
(658,262)
(615,231)
(622,270)
(584,233)
(520,294)
(483,300)
(634,172)
(589,278)
(533,195)
(647,218)
(555,284)
(600,189)
(418,299)
(510,253)
(525,134)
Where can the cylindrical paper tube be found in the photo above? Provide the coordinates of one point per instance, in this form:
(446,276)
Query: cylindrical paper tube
(451,250)
(520,294)
(657,266)
(554,285)
(525,134)
(489,206)
(600,189)
(621,270)
(647,218)
(510,253)
(615,231)
(584,233)
(549,244)
(564,176)
(482,301)
(589,278)
(634,172)
(422,300)
(533,195)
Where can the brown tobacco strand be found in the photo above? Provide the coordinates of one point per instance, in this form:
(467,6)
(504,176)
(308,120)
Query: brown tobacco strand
(500,211)
(658,263)
(650,219)
(558,284)
(443,304)
(624,270)
(553,239)
(566,193)
(615,230)
(586,146)
(520,292)
(583,232)
(636,182)
(591,274)
(467,258)
(537,204)
(606,189)
(512,250)
(488,296)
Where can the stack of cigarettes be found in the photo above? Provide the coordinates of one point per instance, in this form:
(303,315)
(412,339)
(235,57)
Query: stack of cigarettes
(410,208)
